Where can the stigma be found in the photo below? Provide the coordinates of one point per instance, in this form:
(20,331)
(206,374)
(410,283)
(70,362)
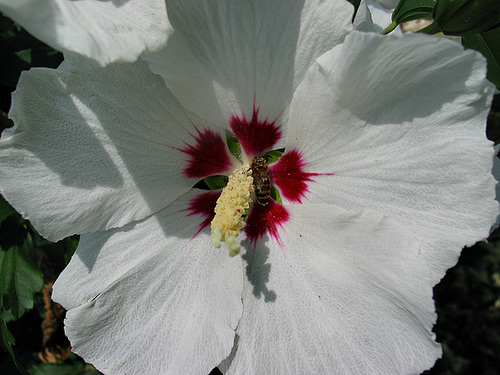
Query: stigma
(230,208)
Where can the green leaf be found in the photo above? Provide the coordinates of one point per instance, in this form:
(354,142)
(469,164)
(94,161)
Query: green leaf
(5,209)
(76,368)
(275,194)
(488,43)
(274,155)
(466,17)
(20,51)
(7,339)
(234,145)
(409,10)
(430,29)
(216,182)
(71,245)
(20,279)
(24,55)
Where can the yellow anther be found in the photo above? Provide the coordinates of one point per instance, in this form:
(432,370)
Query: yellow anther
(230,207)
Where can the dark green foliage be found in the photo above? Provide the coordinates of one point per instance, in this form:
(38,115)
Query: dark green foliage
(468,307)
(5,210)
(73,366)
(488,43)
(20,51)
(20,279)
(493,128)
(7,340)
(466,17)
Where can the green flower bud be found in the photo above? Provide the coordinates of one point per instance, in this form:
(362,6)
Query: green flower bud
(466,17)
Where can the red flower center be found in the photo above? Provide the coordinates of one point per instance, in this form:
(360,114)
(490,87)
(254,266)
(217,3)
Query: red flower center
(208,155)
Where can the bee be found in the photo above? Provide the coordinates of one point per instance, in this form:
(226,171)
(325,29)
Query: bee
(261,179)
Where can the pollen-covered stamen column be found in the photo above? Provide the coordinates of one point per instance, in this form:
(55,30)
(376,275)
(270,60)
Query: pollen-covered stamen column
(229,210)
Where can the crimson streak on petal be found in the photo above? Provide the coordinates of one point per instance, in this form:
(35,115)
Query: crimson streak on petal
(255,136)
(289,175)
(264,219)
(203,205)
(208,157)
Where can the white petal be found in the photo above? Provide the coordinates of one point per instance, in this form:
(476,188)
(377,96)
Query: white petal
(226,57)
(347,294)
(151,299)
(381,16)
(404,134)
(363,20)
(105,31)
(388,4)
(94,148)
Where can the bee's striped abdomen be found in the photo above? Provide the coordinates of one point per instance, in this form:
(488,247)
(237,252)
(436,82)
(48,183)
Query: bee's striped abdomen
(261,179)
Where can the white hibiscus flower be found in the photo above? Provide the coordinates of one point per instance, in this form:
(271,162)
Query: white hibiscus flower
(385,176)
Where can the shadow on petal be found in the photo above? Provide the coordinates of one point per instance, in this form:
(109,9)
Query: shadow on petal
(257,269)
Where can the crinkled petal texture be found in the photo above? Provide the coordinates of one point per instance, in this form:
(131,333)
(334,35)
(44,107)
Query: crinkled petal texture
(95,148)
(150,299)
(404,135)
(225,57)
(106,31)
(347,294)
